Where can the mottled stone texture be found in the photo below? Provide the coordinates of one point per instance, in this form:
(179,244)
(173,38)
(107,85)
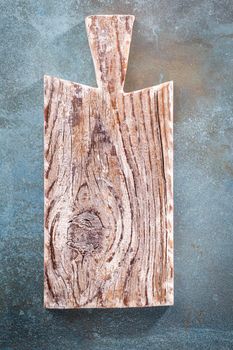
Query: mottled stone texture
(189,42)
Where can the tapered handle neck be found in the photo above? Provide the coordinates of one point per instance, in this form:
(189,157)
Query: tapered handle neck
(109,39)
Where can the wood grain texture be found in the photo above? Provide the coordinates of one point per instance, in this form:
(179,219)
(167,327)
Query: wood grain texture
(108,183)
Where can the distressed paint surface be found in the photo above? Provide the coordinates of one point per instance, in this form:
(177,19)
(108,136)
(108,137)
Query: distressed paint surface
(191,44)
(108,183)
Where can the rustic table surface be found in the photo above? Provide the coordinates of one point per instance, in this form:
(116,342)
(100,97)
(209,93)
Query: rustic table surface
(189,42)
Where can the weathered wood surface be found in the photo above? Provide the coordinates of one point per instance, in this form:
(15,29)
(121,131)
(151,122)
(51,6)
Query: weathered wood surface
(108,183)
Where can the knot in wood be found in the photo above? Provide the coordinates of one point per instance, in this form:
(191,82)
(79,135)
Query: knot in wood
(85,232)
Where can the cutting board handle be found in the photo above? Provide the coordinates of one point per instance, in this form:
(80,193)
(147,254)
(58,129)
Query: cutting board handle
(109,39)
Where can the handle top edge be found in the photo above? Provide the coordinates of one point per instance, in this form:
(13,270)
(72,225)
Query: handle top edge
(110,16)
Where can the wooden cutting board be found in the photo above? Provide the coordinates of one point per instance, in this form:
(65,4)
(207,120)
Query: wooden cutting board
(108,183)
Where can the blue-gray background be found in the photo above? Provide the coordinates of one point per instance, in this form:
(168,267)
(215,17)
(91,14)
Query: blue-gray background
(189,42)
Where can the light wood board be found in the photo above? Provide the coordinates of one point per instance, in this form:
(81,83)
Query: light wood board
(108,183)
